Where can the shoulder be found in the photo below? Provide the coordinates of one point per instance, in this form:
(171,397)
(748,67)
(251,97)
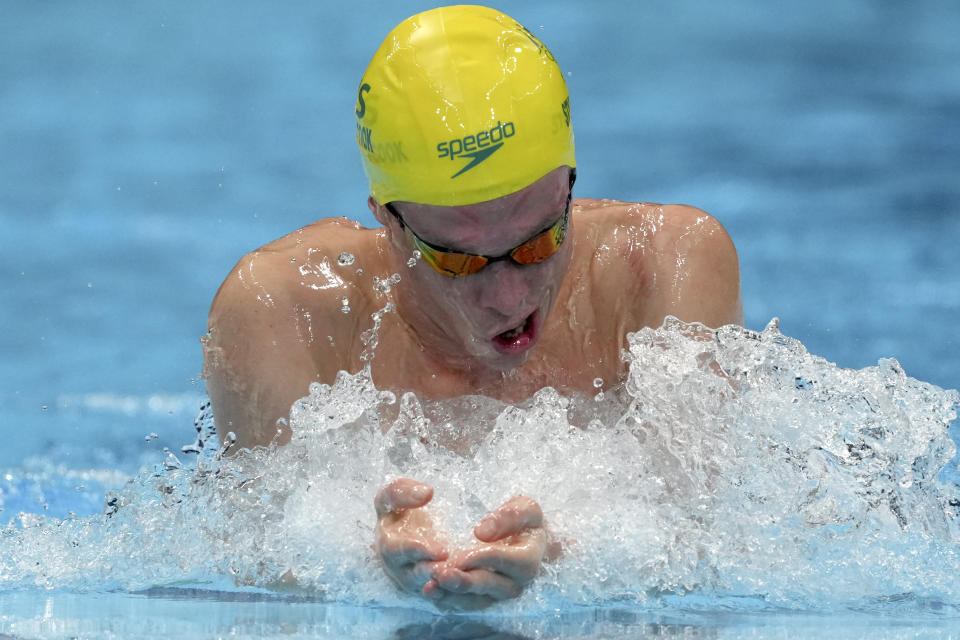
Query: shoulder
(285,302)
(656,225)
(697,237)
(677,259)
(314,266)
(276,324)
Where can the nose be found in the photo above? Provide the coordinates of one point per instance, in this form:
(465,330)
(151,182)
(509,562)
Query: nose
(506,288)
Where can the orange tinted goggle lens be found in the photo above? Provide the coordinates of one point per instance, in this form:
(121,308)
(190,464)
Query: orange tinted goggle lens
(453,264)
(532,251)
(542,247)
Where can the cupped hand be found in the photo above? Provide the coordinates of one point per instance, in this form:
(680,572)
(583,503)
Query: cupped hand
(513,545)
(406,541)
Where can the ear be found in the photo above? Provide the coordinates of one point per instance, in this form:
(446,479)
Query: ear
(379,211)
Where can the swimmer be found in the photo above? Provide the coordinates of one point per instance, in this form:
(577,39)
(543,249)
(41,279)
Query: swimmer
(507,284)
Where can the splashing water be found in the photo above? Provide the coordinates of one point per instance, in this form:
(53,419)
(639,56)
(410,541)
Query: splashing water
(384,285)
(729,464)
(371,337)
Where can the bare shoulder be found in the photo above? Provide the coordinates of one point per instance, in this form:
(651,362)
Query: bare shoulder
(314,267)
(283,303)
(661,225)
(680,259)
(276,325)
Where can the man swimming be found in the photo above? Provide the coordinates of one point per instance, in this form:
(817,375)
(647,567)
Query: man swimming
(506,283)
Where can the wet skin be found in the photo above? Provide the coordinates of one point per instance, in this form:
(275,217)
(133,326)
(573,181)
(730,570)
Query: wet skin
(511,545)
(277,324)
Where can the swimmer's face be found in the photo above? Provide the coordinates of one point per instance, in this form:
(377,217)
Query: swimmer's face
(496,315)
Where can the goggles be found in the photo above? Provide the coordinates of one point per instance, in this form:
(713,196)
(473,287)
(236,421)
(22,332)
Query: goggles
(452,263)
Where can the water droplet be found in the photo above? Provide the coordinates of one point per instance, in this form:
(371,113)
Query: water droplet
(150,436)
(43,408)
(597,383)
(371,337)
(292,260)
(345,259)
(414,258)
(345,305)
(384,285)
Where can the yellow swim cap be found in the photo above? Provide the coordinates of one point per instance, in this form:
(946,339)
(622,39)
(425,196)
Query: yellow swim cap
(461,105)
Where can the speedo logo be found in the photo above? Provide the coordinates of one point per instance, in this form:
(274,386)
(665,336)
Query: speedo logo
(478,147)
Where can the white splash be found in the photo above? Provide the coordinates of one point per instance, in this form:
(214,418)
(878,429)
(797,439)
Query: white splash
(730,463)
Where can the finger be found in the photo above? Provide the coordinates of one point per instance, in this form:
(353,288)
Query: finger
(512,517)
(519,561)
(431,589)
(399,548)
(402,493)
(479,582)
(413,577)
(420,574)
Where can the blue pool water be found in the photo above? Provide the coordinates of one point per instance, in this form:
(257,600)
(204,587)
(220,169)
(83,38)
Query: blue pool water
(143,149)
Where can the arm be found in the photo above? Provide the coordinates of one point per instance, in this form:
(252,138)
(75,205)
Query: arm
(257,361)
(699,266)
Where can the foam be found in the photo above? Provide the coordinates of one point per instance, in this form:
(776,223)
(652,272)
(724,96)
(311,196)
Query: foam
(729,464)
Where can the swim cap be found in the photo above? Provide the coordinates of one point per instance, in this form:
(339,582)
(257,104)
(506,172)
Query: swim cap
(461,105)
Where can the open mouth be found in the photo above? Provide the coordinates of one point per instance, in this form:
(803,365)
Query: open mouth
(520,337)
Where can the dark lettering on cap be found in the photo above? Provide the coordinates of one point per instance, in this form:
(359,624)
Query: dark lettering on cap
(361,105)
(365,137)
(477,146)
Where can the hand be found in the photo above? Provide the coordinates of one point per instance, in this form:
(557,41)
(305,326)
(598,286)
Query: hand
(405,539)
(514,543)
